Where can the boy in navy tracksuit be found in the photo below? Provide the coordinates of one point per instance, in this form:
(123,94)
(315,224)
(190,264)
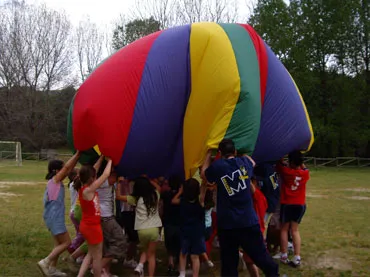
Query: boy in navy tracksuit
(238,224)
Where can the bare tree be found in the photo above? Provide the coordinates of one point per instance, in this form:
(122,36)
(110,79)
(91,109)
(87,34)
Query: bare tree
(36,57)
(179,12)
(90,42)
(161,10)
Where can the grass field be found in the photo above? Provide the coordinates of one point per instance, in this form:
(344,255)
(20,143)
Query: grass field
(335,230)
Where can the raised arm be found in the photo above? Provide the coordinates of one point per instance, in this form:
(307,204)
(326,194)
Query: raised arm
(250,158)
(119,196)
(206,164)
(68,166)
(98,182)
(203,190)
(176,198)
(156,185)
(98,163)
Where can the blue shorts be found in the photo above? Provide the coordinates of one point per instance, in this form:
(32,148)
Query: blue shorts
(56,226)
(193,246)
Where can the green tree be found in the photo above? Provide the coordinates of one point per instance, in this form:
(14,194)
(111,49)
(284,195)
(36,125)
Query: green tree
(133,30)
(325,46)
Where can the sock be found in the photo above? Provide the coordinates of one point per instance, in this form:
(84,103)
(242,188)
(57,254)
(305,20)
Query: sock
(182,273)
(284,255)
(140,265)
(297,257)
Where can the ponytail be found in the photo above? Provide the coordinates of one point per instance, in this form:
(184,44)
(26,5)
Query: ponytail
(77,184)
(50,175)
(53,167)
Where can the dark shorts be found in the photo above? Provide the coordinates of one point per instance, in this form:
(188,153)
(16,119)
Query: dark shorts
(292,213)
(172,239)
(193,246)
(113,239)
(128,222)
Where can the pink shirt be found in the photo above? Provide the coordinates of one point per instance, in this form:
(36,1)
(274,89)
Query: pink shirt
(53,190)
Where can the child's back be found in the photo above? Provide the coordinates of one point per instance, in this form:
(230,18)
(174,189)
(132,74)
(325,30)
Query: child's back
(192,219)
(171,212)
(145,219)
(293,187)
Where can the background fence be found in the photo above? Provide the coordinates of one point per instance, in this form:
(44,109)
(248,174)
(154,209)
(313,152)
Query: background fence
(312,161)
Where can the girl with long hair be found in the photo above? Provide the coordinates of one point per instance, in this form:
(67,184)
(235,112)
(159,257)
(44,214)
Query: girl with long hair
(145,197)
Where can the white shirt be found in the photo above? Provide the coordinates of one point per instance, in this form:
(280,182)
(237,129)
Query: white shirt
(106,199)
(142,220)
(74,194)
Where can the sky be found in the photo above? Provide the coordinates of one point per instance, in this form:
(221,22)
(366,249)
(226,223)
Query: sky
(105,12)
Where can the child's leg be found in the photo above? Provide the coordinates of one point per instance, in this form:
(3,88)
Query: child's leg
(253,270)
(78,253)
(106,263)
(284,237)
(85,265)
(61,243)
(151,258)
(195,265)
(182,264)
(96,254)
(296,238)
(204,257)
(142,258)
(170,260)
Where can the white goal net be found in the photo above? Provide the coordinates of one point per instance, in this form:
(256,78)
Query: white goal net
(10,153)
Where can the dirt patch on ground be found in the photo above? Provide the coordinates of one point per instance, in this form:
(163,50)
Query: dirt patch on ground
(6,184)
(359,198)
(331,260)
(311,195)
(8,194)
(358,190)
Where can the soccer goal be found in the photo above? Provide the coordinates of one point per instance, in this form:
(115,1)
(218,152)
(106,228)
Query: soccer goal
(10,153)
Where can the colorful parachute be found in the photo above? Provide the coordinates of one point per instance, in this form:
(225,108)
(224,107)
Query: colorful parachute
(157,105)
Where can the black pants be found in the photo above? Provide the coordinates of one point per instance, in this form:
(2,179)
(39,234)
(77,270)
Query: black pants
(251,241)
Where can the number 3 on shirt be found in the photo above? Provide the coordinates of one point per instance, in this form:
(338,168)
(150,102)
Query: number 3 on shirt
(296,183)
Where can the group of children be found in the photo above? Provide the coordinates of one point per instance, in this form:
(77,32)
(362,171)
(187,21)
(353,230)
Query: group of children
(103,204)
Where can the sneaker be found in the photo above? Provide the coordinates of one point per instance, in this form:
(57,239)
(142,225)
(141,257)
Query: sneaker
(210,264)
(284,259)
(56,273)
(44,267)
(130,263)
(277,256)
(139,271)
(296,262)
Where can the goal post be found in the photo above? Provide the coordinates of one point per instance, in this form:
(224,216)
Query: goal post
(11,151)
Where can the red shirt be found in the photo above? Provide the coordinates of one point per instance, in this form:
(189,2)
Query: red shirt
(90,209)
(293,185)
(260,206)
